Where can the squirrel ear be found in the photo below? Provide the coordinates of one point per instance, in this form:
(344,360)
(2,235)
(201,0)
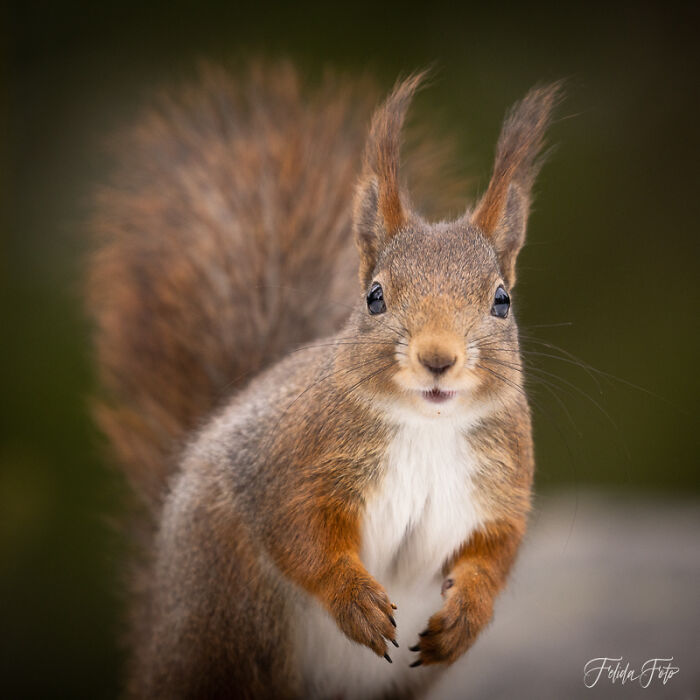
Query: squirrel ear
(379,210)
(503,210)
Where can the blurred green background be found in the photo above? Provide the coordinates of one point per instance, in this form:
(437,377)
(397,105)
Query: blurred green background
(612,254)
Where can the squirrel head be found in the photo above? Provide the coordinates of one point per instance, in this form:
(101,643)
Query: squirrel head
(437,313)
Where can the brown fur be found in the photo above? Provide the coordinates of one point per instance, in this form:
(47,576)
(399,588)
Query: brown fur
(471,584)
(503,210)
(379,211)
(224,200)
(232,198)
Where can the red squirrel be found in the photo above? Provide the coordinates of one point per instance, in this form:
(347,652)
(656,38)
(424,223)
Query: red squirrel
(335,478)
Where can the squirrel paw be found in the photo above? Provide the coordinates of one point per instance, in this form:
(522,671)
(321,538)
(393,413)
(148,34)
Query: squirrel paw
(363,611)
(453,629)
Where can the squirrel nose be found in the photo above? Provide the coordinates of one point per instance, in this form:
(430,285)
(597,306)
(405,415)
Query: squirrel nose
(437,364)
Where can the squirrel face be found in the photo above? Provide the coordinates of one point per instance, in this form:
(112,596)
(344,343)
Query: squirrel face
(437,319)
(438,307)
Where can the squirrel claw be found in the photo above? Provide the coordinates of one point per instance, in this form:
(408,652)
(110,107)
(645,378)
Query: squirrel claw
(391,619)
(395,643)
(416,663)
(416,647)
(388,658)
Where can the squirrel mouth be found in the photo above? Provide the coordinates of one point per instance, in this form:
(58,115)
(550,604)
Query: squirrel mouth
(437,396)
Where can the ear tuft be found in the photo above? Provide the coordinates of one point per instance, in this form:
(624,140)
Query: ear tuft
(503,210)
(379,206)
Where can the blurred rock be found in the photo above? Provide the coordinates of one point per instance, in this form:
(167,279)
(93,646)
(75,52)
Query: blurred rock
(598,576)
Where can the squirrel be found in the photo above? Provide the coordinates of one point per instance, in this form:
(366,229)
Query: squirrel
(334,478)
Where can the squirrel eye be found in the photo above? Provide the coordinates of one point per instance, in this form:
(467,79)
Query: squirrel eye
(501,303)
(375,299)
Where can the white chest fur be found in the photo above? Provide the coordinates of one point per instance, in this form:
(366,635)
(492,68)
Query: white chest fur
(422,510)
(424,506)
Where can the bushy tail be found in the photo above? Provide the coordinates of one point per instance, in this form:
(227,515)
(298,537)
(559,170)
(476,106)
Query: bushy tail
(223,240)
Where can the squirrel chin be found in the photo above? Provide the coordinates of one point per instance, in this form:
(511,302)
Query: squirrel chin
(462,408)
